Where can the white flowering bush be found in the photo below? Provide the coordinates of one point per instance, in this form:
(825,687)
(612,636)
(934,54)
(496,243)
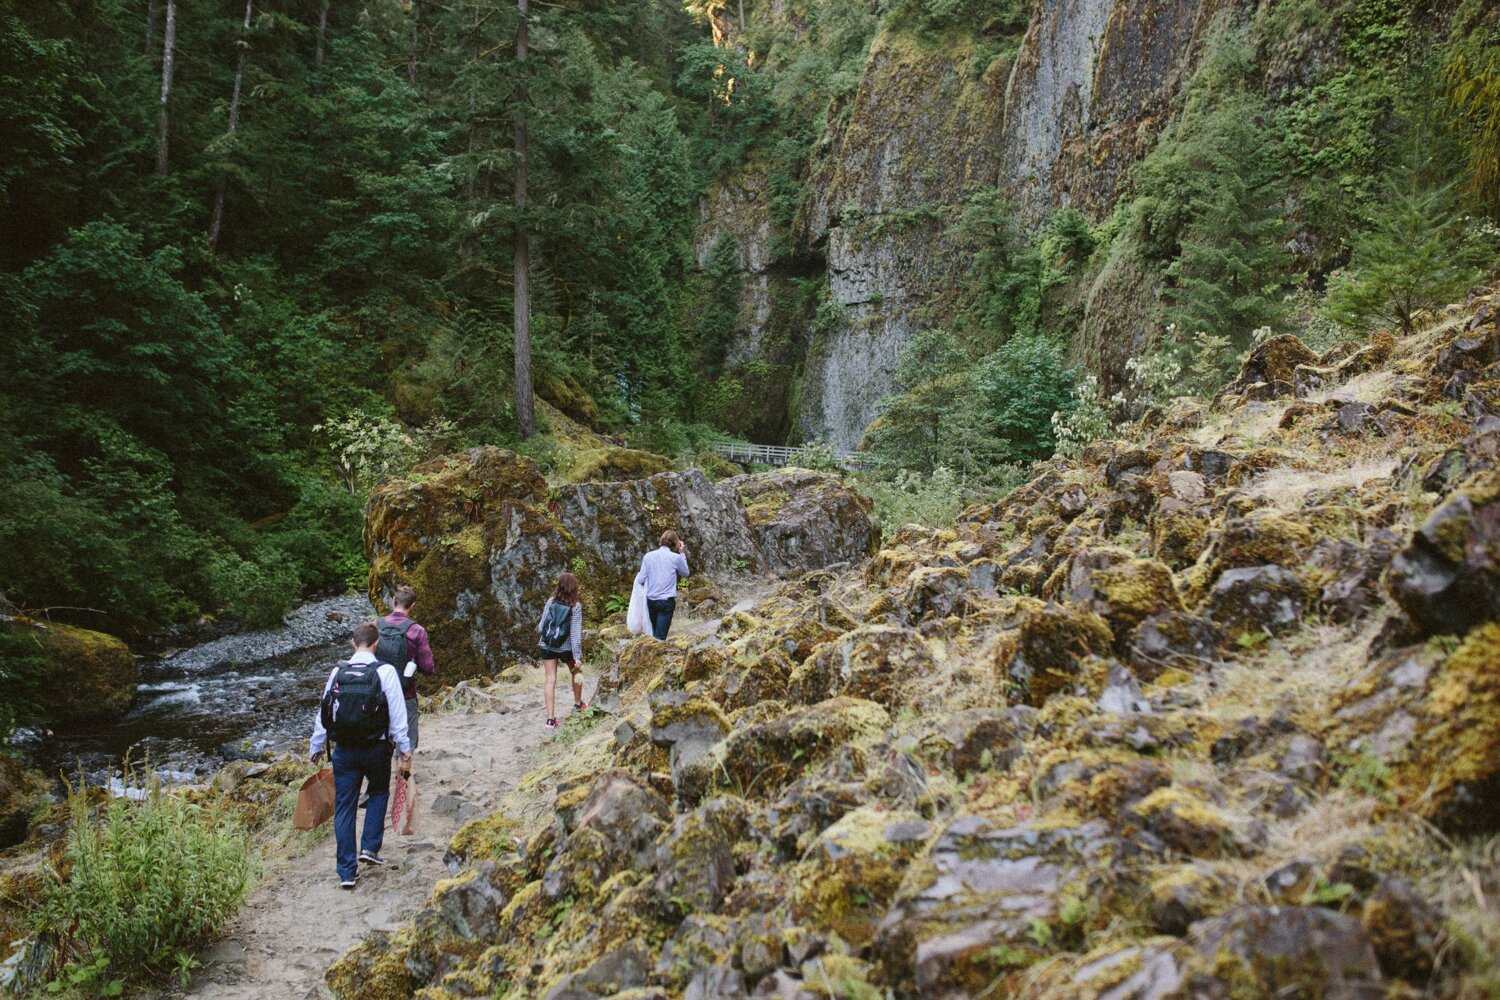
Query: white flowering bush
(368,447)
(1091,418)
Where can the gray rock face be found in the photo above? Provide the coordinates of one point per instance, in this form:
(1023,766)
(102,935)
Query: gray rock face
(1448,578)
(482,539)
(614,828)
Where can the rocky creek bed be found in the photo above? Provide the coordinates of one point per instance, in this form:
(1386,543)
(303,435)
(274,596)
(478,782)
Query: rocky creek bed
(202,705)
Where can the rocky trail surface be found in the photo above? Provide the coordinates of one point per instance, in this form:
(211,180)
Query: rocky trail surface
(474,754)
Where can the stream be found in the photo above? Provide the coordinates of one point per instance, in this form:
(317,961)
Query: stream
(198,707)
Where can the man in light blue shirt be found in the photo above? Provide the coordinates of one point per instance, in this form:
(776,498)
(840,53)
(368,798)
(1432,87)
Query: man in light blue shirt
(660,571)
(359,757)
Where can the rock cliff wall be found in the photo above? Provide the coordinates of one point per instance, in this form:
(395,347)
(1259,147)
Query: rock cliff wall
(1056,117)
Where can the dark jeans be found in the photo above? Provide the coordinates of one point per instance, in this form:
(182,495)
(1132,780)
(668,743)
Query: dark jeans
(661,616)
(411,722)
(352,766)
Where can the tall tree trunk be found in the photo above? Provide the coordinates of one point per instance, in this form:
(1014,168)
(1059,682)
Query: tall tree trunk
(153,9)
(216,225)
(322,34)
(742,17)
(525,416)
(163,126)
(416,20)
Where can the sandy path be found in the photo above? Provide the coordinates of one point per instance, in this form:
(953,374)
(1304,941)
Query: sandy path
(299,921)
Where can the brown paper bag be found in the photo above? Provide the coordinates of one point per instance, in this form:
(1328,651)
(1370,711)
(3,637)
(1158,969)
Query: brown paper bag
(404,805)
(314,801)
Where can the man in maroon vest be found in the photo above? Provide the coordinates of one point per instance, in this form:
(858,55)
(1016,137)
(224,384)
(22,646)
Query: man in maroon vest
(403,644)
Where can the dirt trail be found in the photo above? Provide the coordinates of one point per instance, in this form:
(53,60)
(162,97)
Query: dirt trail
(299,921)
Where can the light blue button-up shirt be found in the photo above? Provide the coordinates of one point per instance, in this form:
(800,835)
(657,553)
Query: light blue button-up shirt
(660,571)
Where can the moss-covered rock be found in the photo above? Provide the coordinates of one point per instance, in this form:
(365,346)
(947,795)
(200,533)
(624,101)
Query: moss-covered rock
(852,871)
(1254,951)
(1448,578)
(22,792)
(375,969)
(612,829)
(1048,653)
(757,761)
(1127,593)
(616,465)
(86,676)
(806,520)
(967,912)
(1274,360)
(1256,600)
(877,662)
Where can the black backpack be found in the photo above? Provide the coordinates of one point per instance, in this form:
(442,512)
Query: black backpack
(393,645)
(557,631)
(354,707)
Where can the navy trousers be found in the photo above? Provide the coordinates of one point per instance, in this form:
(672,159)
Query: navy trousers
(352,767)
(661,616)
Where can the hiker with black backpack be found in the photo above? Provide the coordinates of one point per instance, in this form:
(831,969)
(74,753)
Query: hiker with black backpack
(364,714)
(403,644)
(561,634)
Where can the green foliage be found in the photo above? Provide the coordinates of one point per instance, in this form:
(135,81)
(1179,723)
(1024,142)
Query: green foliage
(1209,203)
(975,418)
(146,883)
(932,499)
(1090,418)
(1414,254)
(1471,88)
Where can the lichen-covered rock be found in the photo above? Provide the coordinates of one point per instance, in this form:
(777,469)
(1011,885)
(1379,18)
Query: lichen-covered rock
(375,969)
(1178,533)
(1181,896)
(1185,823)
(760,759)
(1448,578)
(88,676)
(1175,640)
(617,465)
(1049,652)
(613,828)
(1256,599)
(879,663)
(481,538)
(688,726)
(853,868)
(1282,951)
(806,520)
(965,914)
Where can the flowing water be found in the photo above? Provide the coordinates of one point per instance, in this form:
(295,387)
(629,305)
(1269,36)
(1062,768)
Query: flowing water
(200,706)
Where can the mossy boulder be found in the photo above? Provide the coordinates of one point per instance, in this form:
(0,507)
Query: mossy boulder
(1255,600)
(1178,533)
(1127,593)
(482,539)
(966,913)
(1448,578)
(1184,822)
(876,662)
(21,793)
(374,969)
(852,870)
(806,520)
(1049,652)
(1268,951)
(1175,640)
(695,860)
(1451,766)
(85,676)
(612,829)
(1274,361)
(616,465)
(765,757)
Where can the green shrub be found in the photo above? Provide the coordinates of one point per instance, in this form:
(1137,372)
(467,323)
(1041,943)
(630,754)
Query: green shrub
(932,500)
(140,887)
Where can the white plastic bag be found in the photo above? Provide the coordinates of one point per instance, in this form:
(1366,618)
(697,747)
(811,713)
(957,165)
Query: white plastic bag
(637,619)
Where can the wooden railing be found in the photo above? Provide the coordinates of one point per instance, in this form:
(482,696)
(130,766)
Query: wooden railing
(777,455)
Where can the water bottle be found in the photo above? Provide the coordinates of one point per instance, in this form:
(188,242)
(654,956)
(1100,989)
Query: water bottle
(411,669)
